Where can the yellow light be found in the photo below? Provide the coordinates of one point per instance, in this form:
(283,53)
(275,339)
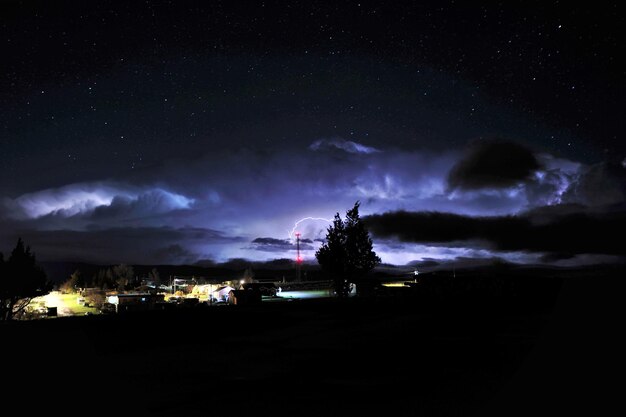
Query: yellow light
(393,284)
(51,299)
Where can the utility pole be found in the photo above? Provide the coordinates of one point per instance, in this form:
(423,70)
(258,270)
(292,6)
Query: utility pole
(298,258)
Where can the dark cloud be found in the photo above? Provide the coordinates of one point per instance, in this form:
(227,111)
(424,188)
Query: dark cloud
(556,256)
(271,241)
(424,263)
(240,264)
(493,163)
(269,244)
(175,254)
(548,230)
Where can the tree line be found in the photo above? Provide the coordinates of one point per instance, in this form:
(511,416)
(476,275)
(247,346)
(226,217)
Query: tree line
(119,277)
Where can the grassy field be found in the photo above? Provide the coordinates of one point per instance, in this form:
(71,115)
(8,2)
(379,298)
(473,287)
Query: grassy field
(70,301)
(66,304)
(393,356)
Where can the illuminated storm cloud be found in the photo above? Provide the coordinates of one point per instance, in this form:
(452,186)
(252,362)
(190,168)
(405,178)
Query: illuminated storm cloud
(257,201)
(342,144)
(95,199)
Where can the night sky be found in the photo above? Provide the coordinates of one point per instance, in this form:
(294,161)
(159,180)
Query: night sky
(179,132)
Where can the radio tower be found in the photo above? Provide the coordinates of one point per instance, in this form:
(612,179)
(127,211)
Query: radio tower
(298,257)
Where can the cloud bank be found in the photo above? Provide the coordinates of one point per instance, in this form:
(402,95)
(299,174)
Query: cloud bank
(556,231)
(247,203)
(98,200)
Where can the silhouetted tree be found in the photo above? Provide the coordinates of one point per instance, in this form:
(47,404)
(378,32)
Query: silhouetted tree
(155,278)
(123,275)
(332,254)
(74,282)
(79,281)
(103,279)
(348,251)
(21,279)
(248,275)
(96,299)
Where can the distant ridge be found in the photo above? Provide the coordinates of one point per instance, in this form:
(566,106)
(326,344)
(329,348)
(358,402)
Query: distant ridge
(59,271)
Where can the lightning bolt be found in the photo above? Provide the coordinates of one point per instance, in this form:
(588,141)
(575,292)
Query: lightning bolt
(295,226)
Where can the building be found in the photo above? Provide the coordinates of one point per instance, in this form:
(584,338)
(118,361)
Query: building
(211,292)
(222,293)
(135,301)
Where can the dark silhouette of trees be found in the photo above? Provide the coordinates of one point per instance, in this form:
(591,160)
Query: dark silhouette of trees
(123,275)
(21,280)
(332,255)
(348,251)
(155,278)
(96,299)
(248,275)
(73,283)
(103,279)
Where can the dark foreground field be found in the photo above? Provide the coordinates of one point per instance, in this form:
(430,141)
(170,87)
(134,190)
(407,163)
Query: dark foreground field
(550,351)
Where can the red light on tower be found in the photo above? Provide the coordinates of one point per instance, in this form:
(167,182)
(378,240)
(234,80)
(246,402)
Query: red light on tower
(298,257)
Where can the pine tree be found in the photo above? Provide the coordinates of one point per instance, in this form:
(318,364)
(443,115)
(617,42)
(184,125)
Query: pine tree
(124,276)
(21,279)
(348,251)
(359,245)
